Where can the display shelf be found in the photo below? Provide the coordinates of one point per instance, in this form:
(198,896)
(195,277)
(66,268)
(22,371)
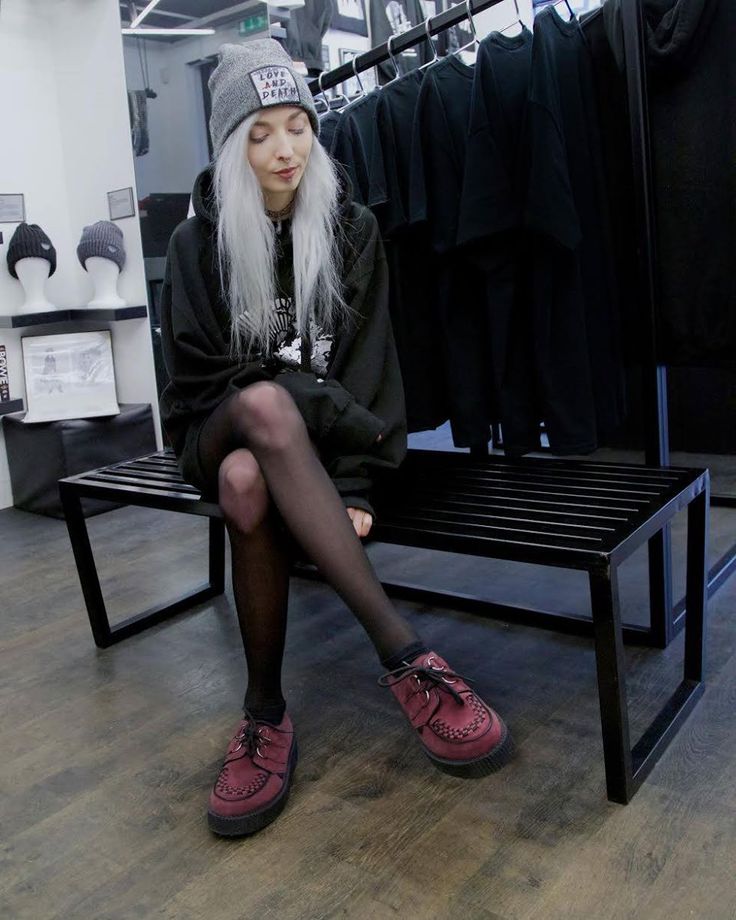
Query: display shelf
(11,405)
(49,317)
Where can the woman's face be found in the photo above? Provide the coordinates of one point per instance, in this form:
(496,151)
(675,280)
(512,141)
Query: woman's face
(279,145)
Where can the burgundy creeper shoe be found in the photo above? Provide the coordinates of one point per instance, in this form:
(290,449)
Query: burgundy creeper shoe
(254,781)
(461,734)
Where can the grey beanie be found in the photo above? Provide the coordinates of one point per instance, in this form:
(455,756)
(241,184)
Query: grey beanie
(103,239)
(250,77)
(30,242)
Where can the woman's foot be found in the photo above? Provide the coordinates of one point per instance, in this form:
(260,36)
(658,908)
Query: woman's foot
(461,734)
(253,785)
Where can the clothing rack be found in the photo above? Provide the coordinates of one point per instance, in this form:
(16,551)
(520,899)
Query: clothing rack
(380,53)
(667,618)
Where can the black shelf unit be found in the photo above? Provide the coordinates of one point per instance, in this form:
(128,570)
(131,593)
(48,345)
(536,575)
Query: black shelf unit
(113,314)
(11,405)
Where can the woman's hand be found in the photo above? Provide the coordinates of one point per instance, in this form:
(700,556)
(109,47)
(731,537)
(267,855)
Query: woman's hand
(362,521)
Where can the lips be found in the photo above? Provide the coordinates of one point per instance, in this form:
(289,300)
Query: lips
(287,173)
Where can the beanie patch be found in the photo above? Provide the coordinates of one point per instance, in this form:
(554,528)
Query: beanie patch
(275,86)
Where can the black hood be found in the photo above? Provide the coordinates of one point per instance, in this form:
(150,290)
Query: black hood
(203,194)
(674,31)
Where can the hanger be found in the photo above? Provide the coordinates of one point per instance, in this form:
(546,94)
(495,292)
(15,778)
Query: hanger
(389,48)
(570,10)
(518,21)
(431,45)
(324,100)
(474,42)
(355,74)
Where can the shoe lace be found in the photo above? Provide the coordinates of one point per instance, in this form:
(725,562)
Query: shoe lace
(251,736)
(426,677)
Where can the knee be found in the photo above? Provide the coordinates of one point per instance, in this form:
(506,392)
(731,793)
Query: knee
(268,414)
(243,494)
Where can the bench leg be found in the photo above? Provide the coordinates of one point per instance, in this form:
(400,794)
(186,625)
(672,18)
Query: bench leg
(696,596)
(611,667)
(627,768)
(104,634)
(86,568)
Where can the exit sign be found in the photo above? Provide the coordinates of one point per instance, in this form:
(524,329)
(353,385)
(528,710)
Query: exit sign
(258,22)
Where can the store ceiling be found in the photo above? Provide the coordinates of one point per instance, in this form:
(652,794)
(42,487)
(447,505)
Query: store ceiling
(170,14)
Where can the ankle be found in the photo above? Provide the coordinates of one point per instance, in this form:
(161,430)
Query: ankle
(406,653)
(265,709)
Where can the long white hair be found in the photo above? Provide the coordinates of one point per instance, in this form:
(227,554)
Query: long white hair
(247,244)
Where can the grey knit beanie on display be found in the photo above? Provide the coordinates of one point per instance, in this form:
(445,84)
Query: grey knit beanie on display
(30,242)
(104,240)
(250,77)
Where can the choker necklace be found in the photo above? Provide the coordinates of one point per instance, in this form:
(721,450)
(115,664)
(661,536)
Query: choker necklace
(278,216)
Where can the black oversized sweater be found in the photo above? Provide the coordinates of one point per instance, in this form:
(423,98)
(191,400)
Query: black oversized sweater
(361,395)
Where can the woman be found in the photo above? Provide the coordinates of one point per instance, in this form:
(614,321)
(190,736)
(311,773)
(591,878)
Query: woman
(285,399)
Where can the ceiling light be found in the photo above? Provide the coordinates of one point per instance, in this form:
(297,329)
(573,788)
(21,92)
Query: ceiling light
(144,32)
(143,13)
(286,4)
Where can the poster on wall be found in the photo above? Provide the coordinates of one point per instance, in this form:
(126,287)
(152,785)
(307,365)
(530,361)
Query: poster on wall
(12,209)
(349,16)
(69,376)
(120,203)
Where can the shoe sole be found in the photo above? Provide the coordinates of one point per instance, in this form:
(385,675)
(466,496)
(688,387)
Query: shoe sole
(245,825)
(481,766)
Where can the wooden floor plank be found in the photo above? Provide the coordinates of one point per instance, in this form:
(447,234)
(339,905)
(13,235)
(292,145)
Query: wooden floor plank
(108,756)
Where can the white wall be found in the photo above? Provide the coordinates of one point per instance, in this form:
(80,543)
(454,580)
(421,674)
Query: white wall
(66,143)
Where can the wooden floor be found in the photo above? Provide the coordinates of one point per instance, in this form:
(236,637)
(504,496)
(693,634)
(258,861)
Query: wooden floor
(107,757)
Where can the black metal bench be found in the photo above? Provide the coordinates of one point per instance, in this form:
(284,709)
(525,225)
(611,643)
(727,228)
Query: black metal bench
(568,514)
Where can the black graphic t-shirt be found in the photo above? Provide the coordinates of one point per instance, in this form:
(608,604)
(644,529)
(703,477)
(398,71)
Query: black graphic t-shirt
(286,350)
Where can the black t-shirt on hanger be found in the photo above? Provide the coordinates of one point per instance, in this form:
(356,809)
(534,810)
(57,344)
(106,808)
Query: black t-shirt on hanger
(576,320)
(327,127)
(490,228)
(347,149)
(438,161)
(407,249)
(360,115)
(494,187)
(395,113)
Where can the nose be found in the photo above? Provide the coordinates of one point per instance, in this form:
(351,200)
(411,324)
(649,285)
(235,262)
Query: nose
(285,150)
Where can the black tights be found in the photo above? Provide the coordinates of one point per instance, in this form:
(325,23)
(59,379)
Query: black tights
(256,446)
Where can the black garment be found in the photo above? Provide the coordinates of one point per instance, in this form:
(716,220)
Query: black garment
(347,148)
(393,17)
(438,162)
(577,339)
(327,126)
(411,283)
(361,395)
(361,113)
(491,226)
(691,57)
(305,30)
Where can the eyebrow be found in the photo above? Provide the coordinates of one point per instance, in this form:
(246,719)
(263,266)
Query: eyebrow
(267,124)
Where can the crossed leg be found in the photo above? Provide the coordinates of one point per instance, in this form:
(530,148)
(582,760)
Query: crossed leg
(257,447)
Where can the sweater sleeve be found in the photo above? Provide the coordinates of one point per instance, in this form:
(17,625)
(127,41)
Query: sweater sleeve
(367,367)
(196,353)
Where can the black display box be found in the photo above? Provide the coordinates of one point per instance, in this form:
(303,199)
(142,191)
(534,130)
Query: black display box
(41,453)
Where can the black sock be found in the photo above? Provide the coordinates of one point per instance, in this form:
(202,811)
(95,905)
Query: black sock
(408,653)
(273,714)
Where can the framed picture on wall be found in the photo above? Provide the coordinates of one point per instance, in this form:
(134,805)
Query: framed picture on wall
(349,16)
(367,77)
(69,376)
